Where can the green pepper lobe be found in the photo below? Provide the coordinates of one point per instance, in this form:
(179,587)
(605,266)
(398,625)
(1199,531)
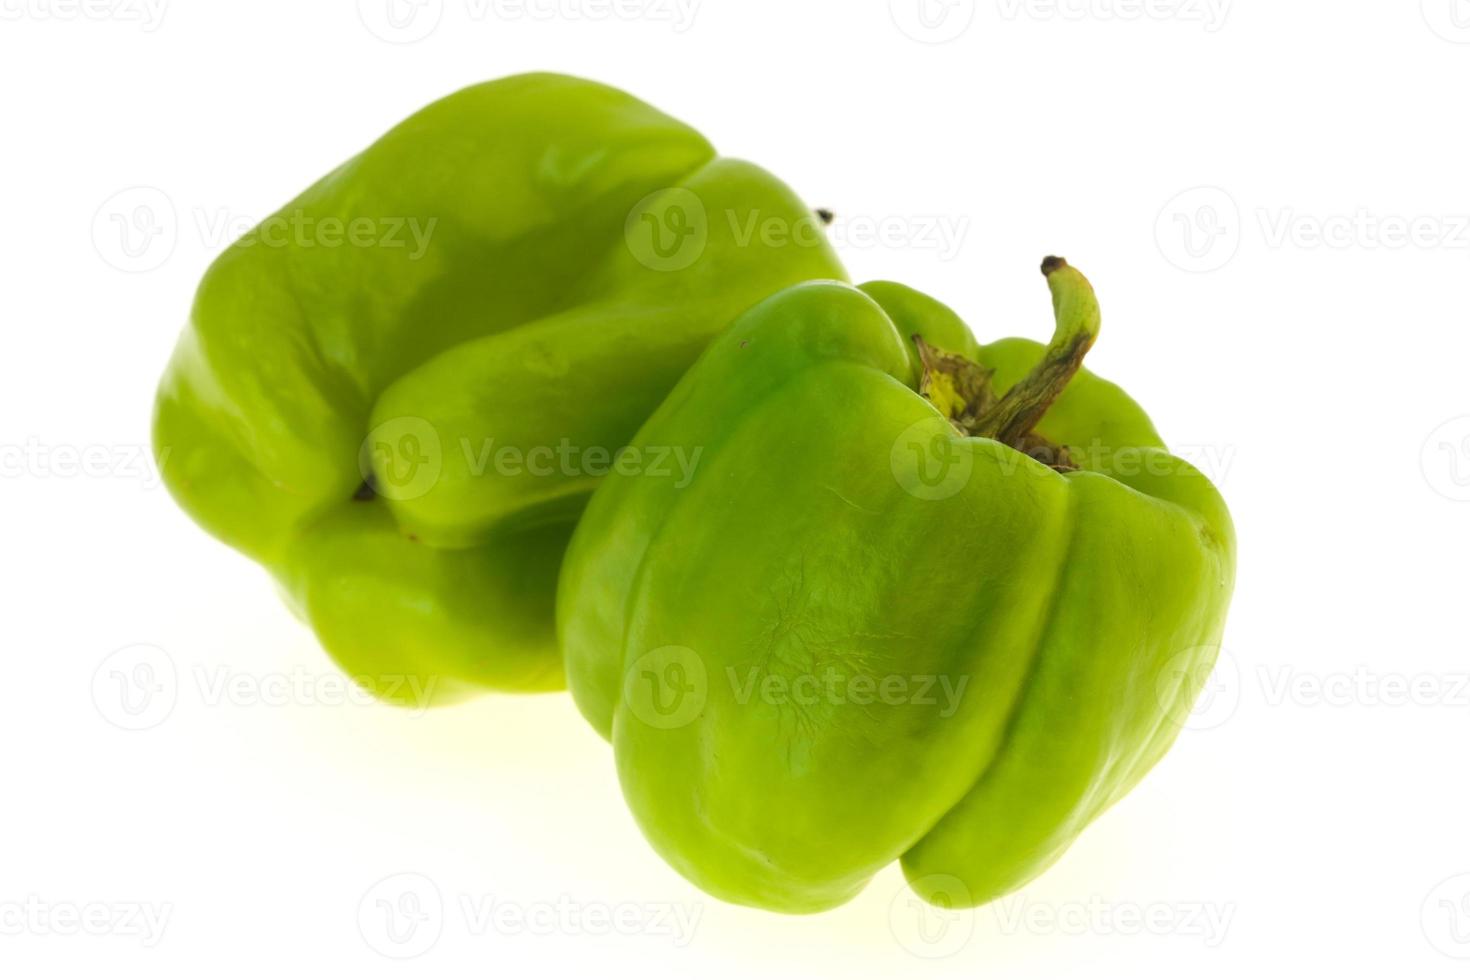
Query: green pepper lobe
(862,633)
(398,392)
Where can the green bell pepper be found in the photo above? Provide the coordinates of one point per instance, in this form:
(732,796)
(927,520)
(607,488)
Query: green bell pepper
(398,392)
(923,600)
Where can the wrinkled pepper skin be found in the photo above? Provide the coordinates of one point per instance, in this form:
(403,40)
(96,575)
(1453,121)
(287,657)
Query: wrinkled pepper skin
(334,412)
(731,637)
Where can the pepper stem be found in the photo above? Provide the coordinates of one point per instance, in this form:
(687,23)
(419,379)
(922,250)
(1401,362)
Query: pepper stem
(961,389)
(1078,319)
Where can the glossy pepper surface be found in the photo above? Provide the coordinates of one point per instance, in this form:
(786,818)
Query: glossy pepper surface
(398,392)
(924,600)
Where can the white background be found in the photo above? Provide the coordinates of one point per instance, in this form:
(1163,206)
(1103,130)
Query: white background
(1271,200)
